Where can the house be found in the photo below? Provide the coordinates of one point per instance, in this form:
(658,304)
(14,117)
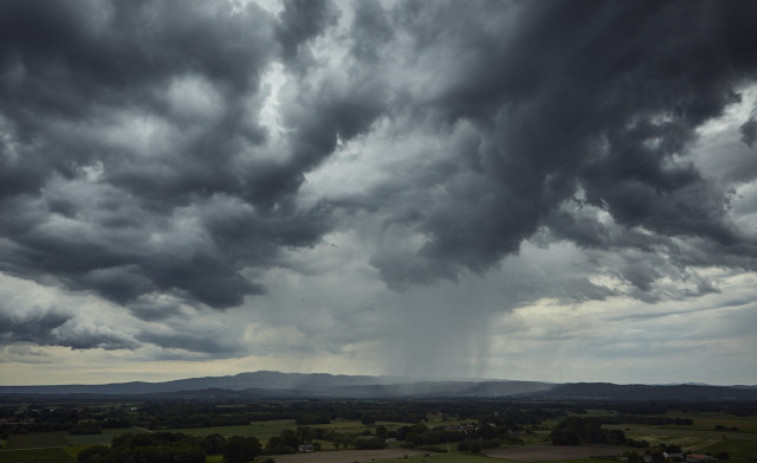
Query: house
(306,447)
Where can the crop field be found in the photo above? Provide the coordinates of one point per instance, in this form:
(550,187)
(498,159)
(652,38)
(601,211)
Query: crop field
(349,456)
(456,457)
(710,432)
(262,430)
(702,435)
(101,439)
(555,452)
(710,421)
(64,439)
(37,440)
(50,455)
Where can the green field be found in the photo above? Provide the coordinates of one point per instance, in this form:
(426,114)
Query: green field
(457,457)
(37,440)
(100,439)
(263,430)
(63,439)
(52,455)
(702,436)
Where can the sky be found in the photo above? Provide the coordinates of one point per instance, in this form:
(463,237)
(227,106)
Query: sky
(536,190)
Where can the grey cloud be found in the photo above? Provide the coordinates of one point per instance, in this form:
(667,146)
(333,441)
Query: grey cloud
(23,353)
(51,327)
(193,341)
(74,76)
(370,29)
(300,22)
(134,162)
(35,328)
(749,132)
(604,97)
(152,310)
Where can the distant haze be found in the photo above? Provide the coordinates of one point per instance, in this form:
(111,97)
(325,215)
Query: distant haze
(543,190)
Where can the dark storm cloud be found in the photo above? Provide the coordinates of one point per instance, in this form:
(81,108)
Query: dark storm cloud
(51,327)
(73,73)
(599,97)
(135,162)
(199,342)
(749,132)
(300,22)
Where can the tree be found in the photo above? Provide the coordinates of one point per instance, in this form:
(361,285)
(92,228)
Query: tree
(239,449)
(93,454)
(562,436)
(214,444)
(304,434)
(632,457)
(289,437)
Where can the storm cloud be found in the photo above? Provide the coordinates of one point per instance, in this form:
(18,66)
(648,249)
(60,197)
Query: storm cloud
(323,168)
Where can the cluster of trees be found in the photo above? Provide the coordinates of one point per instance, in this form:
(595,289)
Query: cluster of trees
(658,454)
(475,446)
(491,422)
(189,414)
(87,427)
(420,435)
(76,419)
(147,448)
(287,441)
(579,430)
(166,447)
(576,430)
(312,418)
(647,420)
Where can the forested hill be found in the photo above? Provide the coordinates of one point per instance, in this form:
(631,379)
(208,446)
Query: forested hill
(690,392)
(269,384)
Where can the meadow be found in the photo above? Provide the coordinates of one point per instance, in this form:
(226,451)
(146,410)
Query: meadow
(702,436)
(713,432)
(49,455)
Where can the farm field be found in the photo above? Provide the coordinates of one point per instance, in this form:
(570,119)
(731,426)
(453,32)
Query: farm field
(702,435)
(63,439)
(555,452)
(50,455)
(351,456)
(37,440)
(456,457)
(709,432)
(264,430)
(59,446)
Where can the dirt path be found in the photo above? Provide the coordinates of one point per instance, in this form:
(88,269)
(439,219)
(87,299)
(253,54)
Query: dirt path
(554,452)
(346,456)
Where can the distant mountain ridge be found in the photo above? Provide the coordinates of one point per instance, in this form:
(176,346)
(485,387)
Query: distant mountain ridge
(273,385)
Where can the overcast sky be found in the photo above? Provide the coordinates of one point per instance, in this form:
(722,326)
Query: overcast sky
(537,190)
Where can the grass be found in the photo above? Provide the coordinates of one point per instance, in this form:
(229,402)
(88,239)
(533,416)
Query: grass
(702,436)
(747,425)
(741,449)
(37,440)
(457,457)
(101,439)
(53,455)
(262,430)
